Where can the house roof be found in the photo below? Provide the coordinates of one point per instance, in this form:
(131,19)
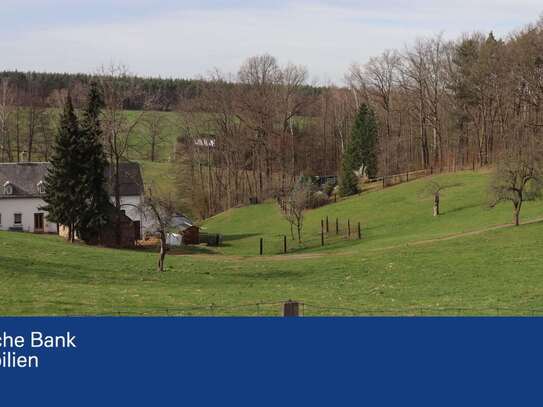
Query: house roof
(25,177)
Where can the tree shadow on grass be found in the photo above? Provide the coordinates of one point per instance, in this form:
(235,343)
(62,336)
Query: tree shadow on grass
(228,239)
(239,236)
(328,246)
(56,271)
(272,274)
(184,250)
(175,250)
(463,208)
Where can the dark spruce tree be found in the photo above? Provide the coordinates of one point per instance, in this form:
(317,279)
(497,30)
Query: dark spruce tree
(62,182)
(361,152)
(364,141)
(348,180)
(95,204)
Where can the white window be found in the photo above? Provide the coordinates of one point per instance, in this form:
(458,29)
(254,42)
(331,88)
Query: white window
(18,218)
(41,187)
(8,188)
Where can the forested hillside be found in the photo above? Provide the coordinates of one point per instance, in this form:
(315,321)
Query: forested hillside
(439,103)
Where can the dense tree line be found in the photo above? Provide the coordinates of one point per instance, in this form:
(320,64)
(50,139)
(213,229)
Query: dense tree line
(441,105)
(258,135)
(437,104)
(169,91)
(454,104)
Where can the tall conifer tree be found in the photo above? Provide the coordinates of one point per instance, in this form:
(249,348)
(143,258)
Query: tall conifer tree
(361,151)
(348,180)
(95,198)
(62,182)
(364,141)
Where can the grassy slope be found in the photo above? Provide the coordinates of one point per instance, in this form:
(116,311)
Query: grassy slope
(496,269)
(395,216)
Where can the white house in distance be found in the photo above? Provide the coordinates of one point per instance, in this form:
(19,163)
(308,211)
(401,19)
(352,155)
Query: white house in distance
(22,188)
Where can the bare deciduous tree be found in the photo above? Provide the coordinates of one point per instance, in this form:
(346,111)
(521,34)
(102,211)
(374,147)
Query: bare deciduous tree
(117,87)
(161,210)
(154,125)
(434,189)
(7,99)
(377,80)
(294,206)
(518,178)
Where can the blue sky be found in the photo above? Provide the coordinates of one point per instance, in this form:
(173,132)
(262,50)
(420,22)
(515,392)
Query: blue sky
(189,38)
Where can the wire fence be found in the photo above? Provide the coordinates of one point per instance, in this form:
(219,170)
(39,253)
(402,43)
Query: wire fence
(333,231)
(395,179)
(336,230)
(277,308)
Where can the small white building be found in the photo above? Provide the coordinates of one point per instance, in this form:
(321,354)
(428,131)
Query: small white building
(22,188)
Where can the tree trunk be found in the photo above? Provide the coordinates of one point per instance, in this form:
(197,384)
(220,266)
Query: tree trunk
(162,255)
(436,205)
(18,137)
(117,188)
(153,148)
(516,216)
(71,233)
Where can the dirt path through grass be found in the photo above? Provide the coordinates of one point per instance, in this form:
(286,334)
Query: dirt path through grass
(455,236)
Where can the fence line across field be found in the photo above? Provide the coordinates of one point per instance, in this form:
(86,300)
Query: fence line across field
(400,178)
(283,244)
(268,245)
(325,236)
(302,308)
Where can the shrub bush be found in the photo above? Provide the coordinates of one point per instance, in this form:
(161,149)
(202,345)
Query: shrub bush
(318,199)
(328,188)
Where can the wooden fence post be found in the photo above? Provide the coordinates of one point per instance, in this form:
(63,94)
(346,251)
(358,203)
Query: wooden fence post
(349,228)
(291,309)
(322,232)
(327,226)
(285,244)
(337,226)
(359,232)
(261,246)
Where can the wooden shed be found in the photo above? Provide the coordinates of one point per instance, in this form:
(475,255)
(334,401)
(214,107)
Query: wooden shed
(191,235)
(107,235)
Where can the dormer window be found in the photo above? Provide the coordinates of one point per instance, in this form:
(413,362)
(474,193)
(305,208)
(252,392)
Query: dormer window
(41,187)
(8,188)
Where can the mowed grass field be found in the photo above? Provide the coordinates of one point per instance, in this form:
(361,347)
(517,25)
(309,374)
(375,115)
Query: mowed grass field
(466,262)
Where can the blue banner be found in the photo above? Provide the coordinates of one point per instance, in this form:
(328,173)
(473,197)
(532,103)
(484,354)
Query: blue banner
(274,361)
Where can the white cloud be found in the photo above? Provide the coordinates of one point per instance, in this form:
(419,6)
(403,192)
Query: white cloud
(322,36)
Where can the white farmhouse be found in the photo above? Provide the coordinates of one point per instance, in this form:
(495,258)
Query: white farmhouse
(22,188)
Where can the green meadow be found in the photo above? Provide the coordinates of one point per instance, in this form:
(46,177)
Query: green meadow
(469,261)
